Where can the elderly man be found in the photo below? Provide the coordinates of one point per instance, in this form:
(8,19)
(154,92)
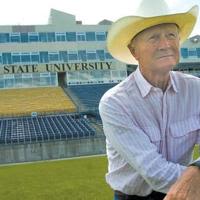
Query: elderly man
(152,119)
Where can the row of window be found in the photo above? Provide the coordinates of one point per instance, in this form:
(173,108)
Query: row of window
(28,80)
(67,56)
(52,37)
(48,57)
(95,76)
(186,52)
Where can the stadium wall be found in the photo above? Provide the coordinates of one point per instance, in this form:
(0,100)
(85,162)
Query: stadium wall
(51,150)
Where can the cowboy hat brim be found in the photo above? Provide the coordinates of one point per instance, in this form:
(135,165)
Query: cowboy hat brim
(124,29)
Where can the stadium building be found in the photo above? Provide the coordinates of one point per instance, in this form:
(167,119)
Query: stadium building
(62,52)
(51,80)
(190,56)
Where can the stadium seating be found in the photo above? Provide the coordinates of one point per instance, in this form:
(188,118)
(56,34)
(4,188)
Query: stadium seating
(21,102)
(89,95)
(44,128)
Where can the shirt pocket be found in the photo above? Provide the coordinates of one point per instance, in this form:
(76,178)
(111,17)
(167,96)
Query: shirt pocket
(185,133)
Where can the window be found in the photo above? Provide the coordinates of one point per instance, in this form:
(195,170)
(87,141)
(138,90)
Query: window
(184,52)
(123,74)
(45,79)
(4,37)
(100,36)
(82,55)
(83,76)
(72,55)
(24,37)
(8,76)
(35,57)
(9,83)
(44,57)
(6,57)
(9,80)
(45,74)
(51,37)
(25,57)
(27,80)
(100,55)
(72,77)
(60,37)
(80,36)
(71,36)
(33,37)
(15,37)
(18,80)
(115,74)
(63,56)
(1,82)
(53,56)
(43,37)
(16,58)
(96,75)
(36,79)
(54,80)
(90,36)
(105,76)
(198,52)
(192,52)
(91,55)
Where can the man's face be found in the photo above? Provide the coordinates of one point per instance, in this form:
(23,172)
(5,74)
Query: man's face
(157,48)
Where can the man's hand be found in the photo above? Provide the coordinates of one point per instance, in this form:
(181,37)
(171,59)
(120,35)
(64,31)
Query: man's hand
(187,187)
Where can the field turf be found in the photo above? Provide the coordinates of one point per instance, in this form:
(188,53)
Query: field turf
(73,179)
(76,179)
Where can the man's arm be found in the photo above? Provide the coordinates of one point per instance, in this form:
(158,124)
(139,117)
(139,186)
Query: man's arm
(187,187)
(135,147)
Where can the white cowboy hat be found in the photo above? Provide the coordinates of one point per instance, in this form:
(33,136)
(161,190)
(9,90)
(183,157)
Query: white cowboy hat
(123,30)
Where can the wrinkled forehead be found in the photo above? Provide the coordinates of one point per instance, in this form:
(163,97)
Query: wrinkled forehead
(166,26)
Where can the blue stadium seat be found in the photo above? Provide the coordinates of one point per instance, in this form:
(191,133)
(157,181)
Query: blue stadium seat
(44,128)
(89,95)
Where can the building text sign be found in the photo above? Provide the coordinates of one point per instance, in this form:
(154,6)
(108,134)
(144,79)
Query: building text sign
(58,67)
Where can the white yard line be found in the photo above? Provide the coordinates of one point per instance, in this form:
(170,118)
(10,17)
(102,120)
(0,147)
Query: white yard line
(53,160)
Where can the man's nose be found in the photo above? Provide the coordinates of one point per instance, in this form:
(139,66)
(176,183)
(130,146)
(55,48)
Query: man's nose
(163,43)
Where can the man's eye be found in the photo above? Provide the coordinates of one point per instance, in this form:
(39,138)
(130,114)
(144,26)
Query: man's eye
(172,35)
(153,37)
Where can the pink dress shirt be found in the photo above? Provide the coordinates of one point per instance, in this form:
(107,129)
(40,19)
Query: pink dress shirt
(150,135)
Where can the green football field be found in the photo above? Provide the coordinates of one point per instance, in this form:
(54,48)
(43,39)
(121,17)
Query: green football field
(74,179)
(196,152)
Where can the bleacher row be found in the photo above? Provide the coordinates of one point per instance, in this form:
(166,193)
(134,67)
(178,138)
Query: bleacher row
(44,128)
(89,95)
(21,102)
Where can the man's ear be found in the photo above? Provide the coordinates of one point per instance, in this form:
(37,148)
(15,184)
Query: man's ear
(132,50)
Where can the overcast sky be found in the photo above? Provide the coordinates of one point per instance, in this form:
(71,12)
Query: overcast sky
(26,12)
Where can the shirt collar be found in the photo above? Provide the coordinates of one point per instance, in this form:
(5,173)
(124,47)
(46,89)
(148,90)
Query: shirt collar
(173,82)
(145,87)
